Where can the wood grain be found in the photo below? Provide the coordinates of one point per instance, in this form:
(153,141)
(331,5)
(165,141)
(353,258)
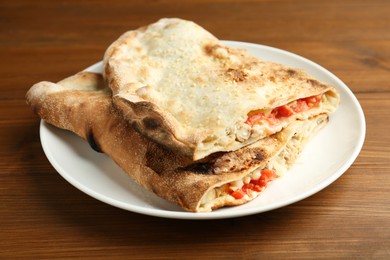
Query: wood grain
(43,217)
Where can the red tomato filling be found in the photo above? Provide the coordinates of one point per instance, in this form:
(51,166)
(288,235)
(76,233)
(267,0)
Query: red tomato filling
(267,175)
(301,105)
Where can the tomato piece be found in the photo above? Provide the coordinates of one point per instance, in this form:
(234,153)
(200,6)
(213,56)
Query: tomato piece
(254,118)
(258,188)
(300,106)
(262,182)
(268,174)
(238,194)
(248,186)
(313,100)
(253,185)
(272,120)
(310,100)
(283,111)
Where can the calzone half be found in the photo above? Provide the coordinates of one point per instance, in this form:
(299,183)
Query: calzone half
(83,104)
(180,86)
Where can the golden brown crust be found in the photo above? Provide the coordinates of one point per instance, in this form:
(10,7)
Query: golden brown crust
(91,115)
(145,116)
(81,105)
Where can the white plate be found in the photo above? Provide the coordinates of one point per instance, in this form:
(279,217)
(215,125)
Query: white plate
(323,160)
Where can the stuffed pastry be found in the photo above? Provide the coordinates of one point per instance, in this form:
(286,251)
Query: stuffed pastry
(83,104)
(180,86)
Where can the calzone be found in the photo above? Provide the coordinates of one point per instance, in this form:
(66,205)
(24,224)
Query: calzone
(83,104)
(179,85)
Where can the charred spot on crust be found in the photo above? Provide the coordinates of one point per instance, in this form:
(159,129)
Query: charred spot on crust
(151,123)
(258,155)
(315,83)
(37,109)
(215,50)
(227,162)
(236,74)
(209,48)
(92,142)
(201,168)
(291,72)
(238,161)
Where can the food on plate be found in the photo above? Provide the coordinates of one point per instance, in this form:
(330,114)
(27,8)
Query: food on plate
(182,87)
(83,104)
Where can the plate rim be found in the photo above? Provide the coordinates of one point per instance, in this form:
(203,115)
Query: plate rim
(223,214)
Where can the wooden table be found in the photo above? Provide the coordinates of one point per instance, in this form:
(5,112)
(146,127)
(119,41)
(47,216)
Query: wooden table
(43,216)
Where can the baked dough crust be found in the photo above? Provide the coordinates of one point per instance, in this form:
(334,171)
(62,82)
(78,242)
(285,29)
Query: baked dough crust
(180,86)
(83,104)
